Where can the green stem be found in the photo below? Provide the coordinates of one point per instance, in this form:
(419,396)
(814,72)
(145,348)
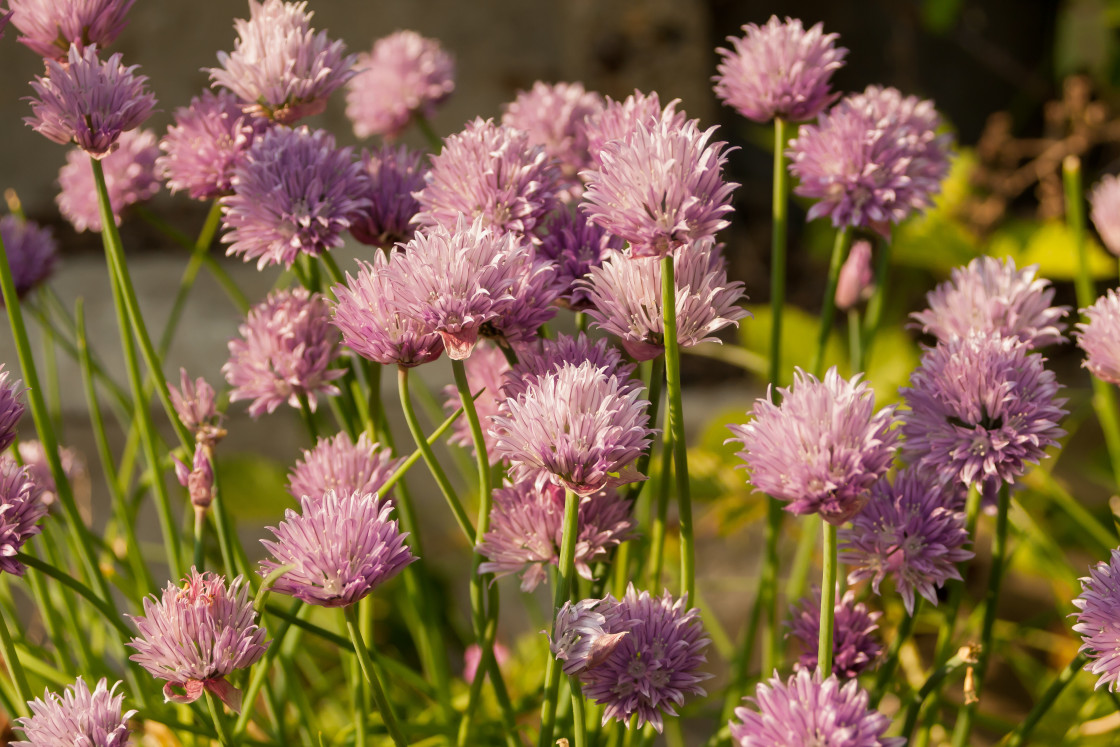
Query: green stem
(780,222)
(654,389)
(190,275)
(855,341)
(260,671)
(107,610)
(828,303)
(890,664)
(828,601)
(676,425)
(661,510)
(579,715)
(562,593)
(308,416)
(741,665)
(15,669)
(219,721)
(932,684)
(768,588)
(803,557)
(373,677)
(1026,726)
(429,134)
(877,303)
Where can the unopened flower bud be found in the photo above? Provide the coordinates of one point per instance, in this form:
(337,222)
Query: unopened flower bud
(856,278)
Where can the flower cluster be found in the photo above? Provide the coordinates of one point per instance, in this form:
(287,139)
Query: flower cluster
(394,175)
(341,465)
(575,246)
(1099,337)
(32,252)
(1099,603)
(50,27)
(19,514)
(619,119)
(1105,203)
(130,178)
(555,116)
(855,647)
(77,717)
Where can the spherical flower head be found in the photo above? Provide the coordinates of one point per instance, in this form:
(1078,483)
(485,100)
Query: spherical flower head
(547,356)
(1099,337)
(89,103)
(575,245)
(19,514)
(11,408)
(625,296)
(807,710)
(855,646)
(619,119)
(341,465)
(587,633)
(343,546)
(821,448)
(286,347)
(394,175)
(32,252)
(780,70)
(661,190)
(130,177)
(50,27)
(295,192)
(198,634)
(194,403)
(910,530)
(403,76)
(535,294)
(375,323)
(77,717)
(577,427)
(485,369)
(1104,202)
(492,172)
(854,283)
(981,408)
(555,116)
(993,296)
(279,66)
(527,524)
(34,459)
(1099,603)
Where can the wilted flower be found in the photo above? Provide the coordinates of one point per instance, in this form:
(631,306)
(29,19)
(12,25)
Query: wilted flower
(394,175)
(198,479)
(1099,603)
(19,514)
(555,115)
(194,404)
(537,361)
(343,466)
(49,27)
(34,458)
(1099,337)
(855,646)
(32,251)
(130,177)
(11,409)
(485,371)
(619,119)
(854,283)
(1105,203)
(404,75)
(77,717)
(587,632)
(575,245)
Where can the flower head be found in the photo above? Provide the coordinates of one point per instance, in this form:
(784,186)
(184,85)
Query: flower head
(342,547)
(285,351)
(77,717)
(1105,203)
(194,404)
(32,252)
(535,293)
(855,647)
(780,70)
(587,633)
(198,479)
(130,177)
(856,276)
(821,448)
(619,119)
(547,356)
(11,409)
(343,466)
(49,27)
(198,634)
(1099,337)
(279,66)
(404,75)
(555,116)
(34,459)
(394,175)
(88,102)
(19,514)
(575,245)
(485,369)
(1099,603)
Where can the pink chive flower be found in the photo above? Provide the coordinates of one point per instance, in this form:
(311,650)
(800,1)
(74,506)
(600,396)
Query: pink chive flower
(405,75)
(280,68)
(342,547)
(619,119)
(547,356)
(11,408)
(1099,337)
(993,296)
(34,459)
(1104,202)
(780,70)
(661,190)
(526,529)
(587,633)
(194,403)
(394,175)
(575,245)
(856,277)
(625,297)
(77,717)
(485,370)
(19,514)
(855,646)
(1099,605)
(130,178)
(198,634)
(50,27)
(341,465)
(295,193)
(285,351)
(822,448)
(32,252)
(89,103)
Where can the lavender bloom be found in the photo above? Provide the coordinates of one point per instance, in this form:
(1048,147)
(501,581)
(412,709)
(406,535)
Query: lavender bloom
(662,189)
(130,177)
(394,175)
(619,119)
(806,710)
(554,116)
(198,479)
(286,348)
(11,409)
(198,634)
(575,245)
(279,66)
(993,296)
(536,362)
(19,514)
(577,427)
(1099,603)
(779,70)
(485,371)
(910,531)
(294,193)
(535,292)
(342,546)
(1105,203)
(77,717)
(856,277)
(822,448)
(32,252)
(526,529)
(1099,337)
(34,458)
(50,27)
(374,321)
(587,633)
(403,76)
(343,466)
(626,299)
(981,408)
(194,404)
(89,102)
(490,172)
(855,647)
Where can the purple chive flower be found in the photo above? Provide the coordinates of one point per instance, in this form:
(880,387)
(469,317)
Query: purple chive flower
(1099,337)
(50,27)
(619,119)
(279,66)
(403,76)
(806,710)
(554,115)
(575,245)
(588,632)
(209,138)
(535,293)
(285,351)
(88,102)
(343,466)
(652,669)
(578,427)
(130,177)
(910,530)
(197,479)
(536,362)
(394,175)
(625,296)
(992,296)
(34,459)
(295,192)
(491,172)
(981,408)
(856,277)
(342,546)
(661,190)
(32,252)
(77,717)
(194,404)
(11,409)
(780,70)
(526,529)
(1105,203)
(19,514)
(485,371)
(1099,603)
(198,634)
(374,322)
(855,646)
(821,448)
